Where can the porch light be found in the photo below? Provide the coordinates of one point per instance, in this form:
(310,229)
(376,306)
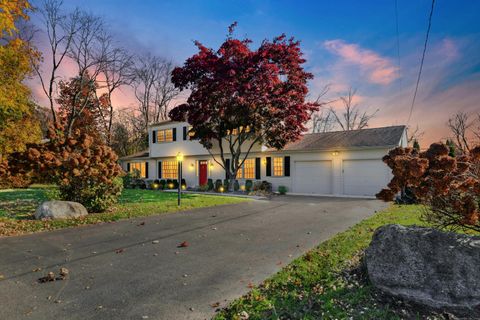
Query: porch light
(335,153)
(264,161)
(179,157)
(211,165)
(192,166)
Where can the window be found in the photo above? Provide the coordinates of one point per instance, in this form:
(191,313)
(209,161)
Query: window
(249,169)
(170,169)
(278,166)
(164,135)
(138,167)
(190,132)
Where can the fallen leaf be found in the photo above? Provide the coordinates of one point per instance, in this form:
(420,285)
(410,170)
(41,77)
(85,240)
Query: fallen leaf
(64,272)
(141,224)
(155,241)
(215,305)
(49,277)
(119,251)
(184,244)
(250,285)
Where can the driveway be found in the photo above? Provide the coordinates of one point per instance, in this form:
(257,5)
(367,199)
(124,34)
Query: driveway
(118,271)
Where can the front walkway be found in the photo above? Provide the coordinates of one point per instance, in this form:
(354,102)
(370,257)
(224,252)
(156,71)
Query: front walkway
(117,272)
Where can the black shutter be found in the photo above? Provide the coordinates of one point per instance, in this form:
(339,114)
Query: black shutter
(269,167)
(257,169)
(174,134)
(128,166)
(146,170)
(286,166)
(184,133)
(159,173)
(227,167)
(154,136)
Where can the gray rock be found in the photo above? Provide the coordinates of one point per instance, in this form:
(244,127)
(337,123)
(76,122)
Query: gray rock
(60,210)
(437,269)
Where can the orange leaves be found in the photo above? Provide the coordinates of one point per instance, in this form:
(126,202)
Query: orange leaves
(449,186)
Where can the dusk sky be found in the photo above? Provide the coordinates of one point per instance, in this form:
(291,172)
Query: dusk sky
(346,44)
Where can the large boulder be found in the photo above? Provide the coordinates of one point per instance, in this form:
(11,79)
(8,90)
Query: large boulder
(60,210)
(437,269)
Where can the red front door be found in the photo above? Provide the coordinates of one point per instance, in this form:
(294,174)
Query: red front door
(203,172)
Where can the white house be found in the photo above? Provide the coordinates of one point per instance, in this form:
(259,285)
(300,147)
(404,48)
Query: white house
(332,163)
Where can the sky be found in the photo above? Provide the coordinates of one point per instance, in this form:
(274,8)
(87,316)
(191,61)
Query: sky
(347,44)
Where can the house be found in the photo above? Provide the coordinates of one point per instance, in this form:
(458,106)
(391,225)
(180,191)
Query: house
(333,163)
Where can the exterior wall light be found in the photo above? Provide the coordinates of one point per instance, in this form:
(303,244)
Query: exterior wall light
(179,157)
(335,153)
(264,161)
(211,164)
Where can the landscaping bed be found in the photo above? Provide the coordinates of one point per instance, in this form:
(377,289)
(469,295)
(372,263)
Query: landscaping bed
(17,208)
(329,282)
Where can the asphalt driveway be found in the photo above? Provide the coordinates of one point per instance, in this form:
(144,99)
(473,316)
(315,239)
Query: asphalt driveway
(133,269)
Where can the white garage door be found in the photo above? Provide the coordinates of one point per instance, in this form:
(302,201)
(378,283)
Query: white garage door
(364,177)
(312,177)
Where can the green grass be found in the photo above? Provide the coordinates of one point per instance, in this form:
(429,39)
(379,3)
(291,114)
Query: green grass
(17,207)
(314,286)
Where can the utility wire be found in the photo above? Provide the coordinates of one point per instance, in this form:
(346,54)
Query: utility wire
(421,62)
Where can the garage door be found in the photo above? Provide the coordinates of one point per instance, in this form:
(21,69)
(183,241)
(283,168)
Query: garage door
(364,177)
(313,177)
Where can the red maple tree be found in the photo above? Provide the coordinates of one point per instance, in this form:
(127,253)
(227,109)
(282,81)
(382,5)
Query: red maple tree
(241,97)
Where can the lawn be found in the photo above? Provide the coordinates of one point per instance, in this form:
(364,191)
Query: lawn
(321,284)
(17,207)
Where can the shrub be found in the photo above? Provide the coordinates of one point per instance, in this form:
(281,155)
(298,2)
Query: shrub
(225,183)
(170,184)
(162,184)
(127,180)
(236,186)
(154,186)
(210,184)
(156,181)
(262,186)
(203,187)
(282,190)
(84,169)
(175,183)
(449,186)
(248,185)
(218,184)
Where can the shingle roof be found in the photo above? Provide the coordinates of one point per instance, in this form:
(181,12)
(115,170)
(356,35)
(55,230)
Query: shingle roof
(371,137)
(141,154)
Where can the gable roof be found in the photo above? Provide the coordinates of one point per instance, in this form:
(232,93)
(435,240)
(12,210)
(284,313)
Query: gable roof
(370,137)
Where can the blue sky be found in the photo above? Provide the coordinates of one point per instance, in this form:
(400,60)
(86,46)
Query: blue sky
(346,43)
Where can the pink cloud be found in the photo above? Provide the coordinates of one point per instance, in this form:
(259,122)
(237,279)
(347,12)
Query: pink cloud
(379,70)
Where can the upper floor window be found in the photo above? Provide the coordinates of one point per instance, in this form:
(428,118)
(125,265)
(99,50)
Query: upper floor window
(278,166)
(165,135)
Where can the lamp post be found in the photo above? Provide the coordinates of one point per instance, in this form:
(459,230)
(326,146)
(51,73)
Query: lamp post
(179,160)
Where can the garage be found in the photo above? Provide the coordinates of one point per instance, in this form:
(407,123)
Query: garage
(364,177)
(313,177)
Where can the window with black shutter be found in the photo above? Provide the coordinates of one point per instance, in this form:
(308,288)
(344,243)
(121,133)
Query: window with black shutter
(257,169)
(154,136)
(174,132)
(184,133)
(227,169)
(146,170)
(159,170)
(286,166)
(268,170)
(128,166)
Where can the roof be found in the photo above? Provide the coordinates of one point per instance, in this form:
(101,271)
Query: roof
(370,137)
(160,123)
(141,154)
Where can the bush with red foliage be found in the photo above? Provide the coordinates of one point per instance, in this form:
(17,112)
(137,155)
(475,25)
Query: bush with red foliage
(448,186)
(84,169)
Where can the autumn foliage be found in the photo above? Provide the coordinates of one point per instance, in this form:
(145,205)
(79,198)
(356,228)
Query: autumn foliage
(258,93)
(85,170)
(448,186)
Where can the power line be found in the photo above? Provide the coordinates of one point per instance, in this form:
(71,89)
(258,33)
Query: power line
(398,42)
(421,62)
